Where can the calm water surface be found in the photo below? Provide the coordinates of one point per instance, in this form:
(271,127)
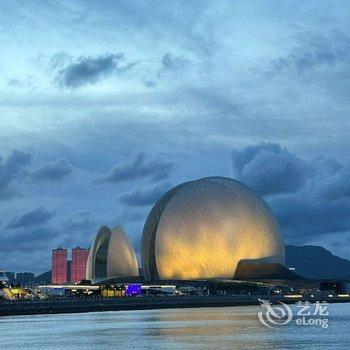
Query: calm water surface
(205,328)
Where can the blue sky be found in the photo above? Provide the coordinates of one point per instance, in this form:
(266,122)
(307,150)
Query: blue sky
(106,105)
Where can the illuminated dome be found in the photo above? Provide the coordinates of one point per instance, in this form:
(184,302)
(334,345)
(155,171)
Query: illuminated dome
(111,255)
(203,228)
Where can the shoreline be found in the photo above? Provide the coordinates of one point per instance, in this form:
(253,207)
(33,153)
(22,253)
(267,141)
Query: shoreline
(64,306)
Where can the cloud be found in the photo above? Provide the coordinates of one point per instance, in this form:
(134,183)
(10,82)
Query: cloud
(170,66)
(12,169)
(128,216)
(314,51)
(54,171)
(310,197)
(14,83)
(80,221)
(36,217)
(302,216)
(75,73)
(337,185)
(171,63)
(26,240)
(146,196)
(141,165)
(269,168)
(21,83)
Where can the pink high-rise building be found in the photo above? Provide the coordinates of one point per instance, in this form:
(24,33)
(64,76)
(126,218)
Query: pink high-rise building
(78,266)
(59,266)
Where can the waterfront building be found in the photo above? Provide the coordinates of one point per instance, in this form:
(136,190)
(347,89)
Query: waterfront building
(203,229)
(3,277)
(78,264)
(25,279)
(59,266)
(111,255)
(11,276)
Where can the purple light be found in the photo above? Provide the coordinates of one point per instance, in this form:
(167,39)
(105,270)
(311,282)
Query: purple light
(133,289)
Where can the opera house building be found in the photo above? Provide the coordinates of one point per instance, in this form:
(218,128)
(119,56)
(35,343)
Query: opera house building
(111,255)
(203,229)
(211,228)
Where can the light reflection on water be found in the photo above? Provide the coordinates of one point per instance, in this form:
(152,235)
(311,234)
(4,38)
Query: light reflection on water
(202,328)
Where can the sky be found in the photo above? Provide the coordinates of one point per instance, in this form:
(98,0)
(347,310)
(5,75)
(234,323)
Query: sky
(105,105)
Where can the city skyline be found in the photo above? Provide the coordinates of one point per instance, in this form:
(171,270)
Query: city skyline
(128,99)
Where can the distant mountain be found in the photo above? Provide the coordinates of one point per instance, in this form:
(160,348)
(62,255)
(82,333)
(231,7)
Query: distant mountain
(316,262)
(44,278)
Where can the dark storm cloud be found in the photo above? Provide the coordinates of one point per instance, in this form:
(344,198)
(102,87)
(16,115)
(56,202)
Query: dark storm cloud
(27,240)
(36,217)
(302,215)
(269,168)
(141,165)
(337,183)
(310,197)
(12,169)
(54,171)
(79,221)
(88,70)
(139,197)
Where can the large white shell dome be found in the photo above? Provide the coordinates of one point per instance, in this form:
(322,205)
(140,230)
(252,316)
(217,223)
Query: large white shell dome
(202,229)
(111,255)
